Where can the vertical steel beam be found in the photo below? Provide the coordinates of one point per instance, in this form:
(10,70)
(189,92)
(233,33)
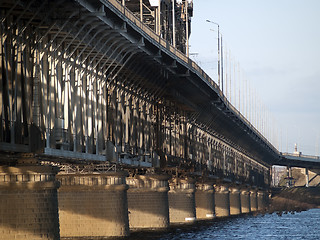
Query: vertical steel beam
(141,10)
(2,74)
(173,23)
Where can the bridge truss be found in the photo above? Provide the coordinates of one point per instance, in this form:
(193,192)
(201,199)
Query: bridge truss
(88,80)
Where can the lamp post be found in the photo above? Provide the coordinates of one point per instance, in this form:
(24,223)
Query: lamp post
(187,27)
(219,75)
(174,23)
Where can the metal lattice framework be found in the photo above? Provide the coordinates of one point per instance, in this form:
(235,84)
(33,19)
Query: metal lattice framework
(88,80)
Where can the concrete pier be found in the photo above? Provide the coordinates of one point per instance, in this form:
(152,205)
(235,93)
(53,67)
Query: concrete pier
(148,202)
(28,203)
(253,201)
(245,201)
(235,201)
(204,197)
(182,201)
(262,200)
(93,205)
(222,201)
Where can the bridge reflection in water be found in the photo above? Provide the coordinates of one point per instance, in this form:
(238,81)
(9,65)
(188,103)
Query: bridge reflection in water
(99,91)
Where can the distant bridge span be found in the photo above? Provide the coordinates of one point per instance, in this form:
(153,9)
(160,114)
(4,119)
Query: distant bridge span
(299,160)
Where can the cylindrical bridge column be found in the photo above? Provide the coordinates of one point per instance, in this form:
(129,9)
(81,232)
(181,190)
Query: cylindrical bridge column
(205,201)
(182,201)
(93,205)
(235,201)
(29,203)
(253,201)
(245,201)
(148,202)
(222,201)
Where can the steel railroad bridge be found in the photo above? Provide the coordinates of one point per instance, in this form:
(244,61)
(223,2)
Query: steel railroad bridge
(89,86)
(297,159)
(308,162)
(87,80)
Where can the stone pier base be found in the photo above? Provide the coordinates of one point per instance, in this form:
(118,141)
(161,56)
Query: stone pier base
(148,202)
(182,201)
(204,197)
(262,200)
(222,201)
(93,205)
(235,201)
(245,201)
(28,203)
(253,201)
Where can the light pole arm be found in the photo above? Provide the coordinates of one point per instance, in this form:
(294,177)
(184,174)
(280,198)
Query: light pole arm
(219,55)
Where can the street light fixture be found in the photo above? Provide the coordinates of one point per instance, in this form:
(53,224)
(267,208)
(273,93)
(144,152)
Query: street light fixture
(219,57)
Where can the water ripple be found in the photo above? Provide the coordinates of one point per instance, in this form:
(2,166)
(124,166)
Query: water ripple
(304,225)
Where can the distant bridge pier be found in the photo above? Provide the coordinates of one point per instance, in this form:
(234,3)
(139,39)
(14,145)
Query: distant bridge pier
(204,197)
(28,202)
(148,202)
(289,176)
(235,201)
(253,201)
(182,201)
(262,200)
(222,201)
(93,205)
(245,201)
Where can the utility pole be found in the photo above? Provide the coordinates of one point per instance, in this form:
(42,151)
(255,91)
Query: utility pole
(230,76)
(246,97)
(234,83)
(219,75)
(317,145)
(174,23)
(239,104)
(141,11)
(243,94)
(226,54)
(187,28)
(222,78)
(158,17)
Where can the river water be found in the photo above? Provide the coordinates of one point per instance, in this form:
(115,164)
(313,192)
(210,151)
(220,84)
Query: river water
(303,225)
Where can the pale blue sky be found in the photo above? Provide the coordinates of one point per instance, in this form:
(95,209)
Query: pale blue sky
(276,43)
